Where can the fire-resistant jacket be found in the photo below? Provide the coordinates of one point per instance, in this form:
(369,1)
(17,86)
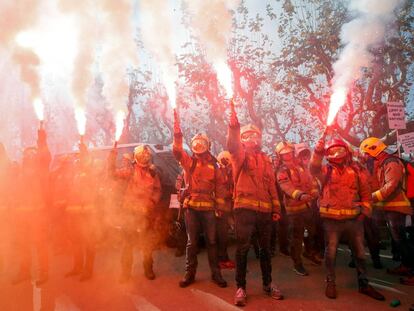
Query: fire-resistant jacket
(34,181)
(143,191)
(295,181)
(203,178)
(345,191)
(253,174)
(390,174)
(225,202)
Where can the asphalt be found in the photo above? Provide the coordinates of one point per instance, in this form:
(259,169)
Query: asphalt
(103,292)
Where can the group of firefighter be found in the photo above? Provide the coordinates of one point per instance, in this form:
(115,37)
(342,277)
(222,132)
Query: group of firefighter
(317,198)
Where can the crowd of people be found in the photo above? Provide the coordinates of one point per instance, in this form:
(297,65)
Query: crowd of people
(308,201)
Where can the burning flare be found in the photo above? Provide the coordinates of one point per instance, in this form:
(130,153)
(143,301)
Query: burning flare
(80,117)
(337,101)
(224,75)
(39,109)
(119,124)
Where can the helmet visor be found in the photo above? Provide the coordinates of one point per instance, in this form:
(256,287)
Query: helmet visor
(251,138)
(336,152)
(199,145)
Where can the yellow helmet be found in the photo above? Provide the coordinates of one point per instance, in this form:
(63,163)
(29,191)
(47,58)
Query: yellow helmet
(143,155)
(372,146)
(284,147)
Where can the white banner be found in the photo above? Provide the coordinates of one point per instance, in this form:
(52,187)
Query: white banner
(407,141)
(396,115)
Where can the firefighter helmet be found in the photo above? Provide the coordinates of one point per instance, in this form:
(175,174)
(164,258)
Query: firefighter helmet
(284,147)
(143,155)
(251,135)
(336,149)
(372,146)
(200,143)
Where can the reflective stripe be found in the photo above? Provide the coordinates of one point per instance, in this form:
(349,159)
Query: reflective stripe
(379,195)
(253,202)
(339,212)
(296,208)
(198,203)
(276,203)
(396,203)
(295,193)
(220,201)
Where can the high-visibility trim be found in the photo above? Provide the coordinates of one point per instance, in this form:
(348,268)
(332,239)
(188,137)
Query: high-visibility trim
(378,195)
(295,194)
(393,203)
(366,204)
(255,203)
(198,203)
(296,208)
(220,201)
(276,203)
(339,212)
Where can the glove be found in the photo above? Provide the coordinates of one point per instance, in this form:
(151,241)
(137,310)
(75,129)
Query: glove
(177,127)
(275,217)
(41,137)
(320,145)
(234,121)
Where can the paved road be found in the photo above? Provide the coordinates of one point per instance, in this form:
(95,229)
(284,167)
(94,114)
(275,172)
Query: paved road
(104,293)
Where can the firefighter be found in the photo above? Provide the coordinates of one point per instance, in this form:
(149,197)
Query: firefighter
(31,214)
(203,182)
(226,204)
(256,203)
(313,239)
(345,202)
(141,196)
(5,201)
(81,214)
(299,190)
(390,196)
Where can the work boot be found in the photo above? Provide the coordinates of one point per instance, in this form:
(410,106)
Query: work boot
(371,292)
(300,270)
(218,279)
(315,260)
(240,299)
(74,272)
(400,270)
(43,278)
(125,277)
(351,264)
(188,279)
(22,276)
(330,290)
(273,291)
(86,275)
(407,281)
(149,273)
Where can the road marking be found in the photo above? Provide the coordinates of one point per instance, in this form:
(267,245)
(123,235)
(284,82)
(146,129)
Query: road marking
(64,303)
(141,304)
(379,280)
(388,288)
(37,297)
(213,300)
